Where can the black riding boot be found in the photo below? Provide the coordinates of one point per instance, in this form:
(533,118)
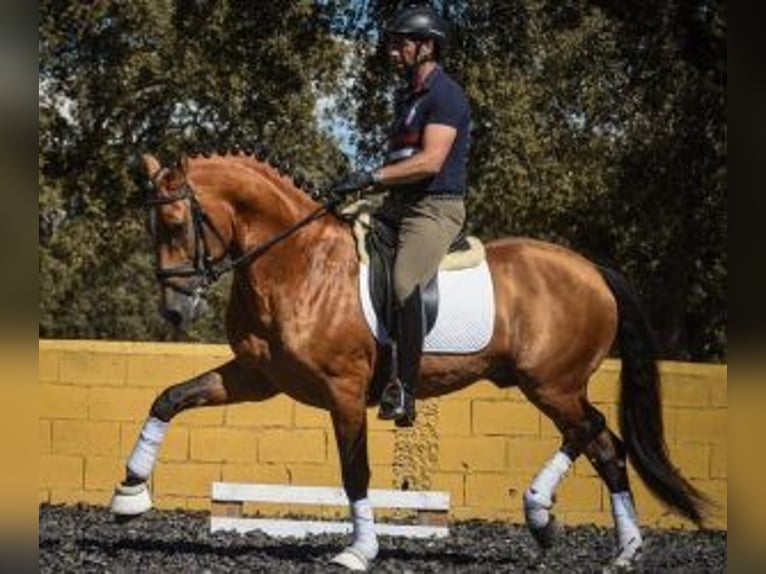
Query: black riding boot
(398,399)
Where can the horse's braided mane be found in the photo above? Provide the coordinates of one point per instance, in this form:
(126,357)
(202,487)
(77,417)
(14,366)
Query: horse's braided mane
(264,155)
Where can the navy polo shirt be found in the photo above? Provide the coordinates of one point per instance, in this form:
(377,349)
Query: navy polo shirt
(440,100)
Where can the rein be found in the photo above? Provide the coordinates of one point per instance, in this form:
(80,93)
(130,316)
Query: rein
(204,266)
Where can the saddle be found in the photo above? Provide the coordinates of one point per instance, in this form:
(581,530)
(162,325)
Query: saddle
(376,247)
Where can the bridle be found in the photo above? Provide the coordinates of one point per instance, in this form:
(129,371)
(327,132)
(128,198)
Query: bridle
(203,266)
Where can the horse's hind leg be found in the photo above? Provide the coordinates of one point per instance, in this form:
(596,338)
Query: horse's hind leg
(228,383)
(607,455)
(584,430)
(579,424)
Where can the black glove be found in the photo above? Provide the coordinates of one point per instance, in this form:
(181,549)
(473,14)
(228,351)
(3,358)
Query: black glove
(354,181)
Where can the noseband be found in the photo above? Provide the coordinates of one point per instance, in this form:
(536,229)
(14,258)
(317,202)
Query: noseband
(203,267)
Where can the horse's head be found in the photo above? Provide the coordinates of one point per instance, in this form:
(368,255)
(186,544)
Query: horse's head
(180,230)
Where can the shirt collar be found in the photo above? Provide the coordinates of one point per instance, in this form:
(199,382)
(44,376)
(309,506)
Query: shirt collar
(425,85)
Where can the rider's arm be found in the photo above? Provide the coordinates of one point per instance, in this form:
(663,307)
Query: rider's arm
(437,142)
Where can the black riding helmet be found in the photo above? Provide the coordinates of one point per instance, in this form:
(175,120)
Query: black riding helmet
(421,22)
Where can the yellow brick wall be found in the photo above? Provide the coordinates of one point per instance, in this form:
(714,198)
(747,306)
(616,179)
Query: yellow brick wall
(486,446)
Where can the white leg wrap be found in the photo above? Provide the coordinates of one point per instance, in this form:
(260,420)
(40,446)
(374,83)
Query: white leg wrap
(538,499)
(364,548)
(365,539)
(141,461)
(625,521)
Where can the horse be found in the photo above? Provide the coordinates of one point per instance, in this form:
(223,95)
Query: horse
(295,325)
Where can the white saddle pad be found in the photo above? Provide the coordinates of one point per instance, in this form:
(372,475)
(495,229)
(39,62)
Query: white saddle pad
(466,317)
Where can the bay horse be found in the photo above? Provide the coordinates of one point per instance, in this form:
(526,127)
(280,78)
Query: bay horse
(294,322)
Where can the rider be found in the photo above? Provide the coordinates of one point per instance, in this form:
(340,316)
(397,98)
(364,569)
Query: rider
(425,174)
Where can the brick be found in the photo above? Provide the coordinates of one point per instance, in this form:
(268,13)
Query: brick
(686,391)
(497,491)
(472,453)
(160,371)
(128,437)
(572,517)
(305,474)
(670,424)
(692,459)
(311,417)
(277,411)
(278,445)
(202,416)
(719,393)
(719,461)
(504,418)
(717,490)
(452,482)
(89,368)
(47,366)
(61,471)
(482,389)
(701,426)
(120,404)
(583,467)
(648,507)
(72,496)
(253,472)
(670,520)
(198,503)
(579,493)
(603,387)
(63,402)
(170,502)
(176,444)
(43,496)
(223,445)
(512,516)
(526,456)
(382,476)
(44,436)
(86,438)
(454,418)
(332,449)
(612,417)
(380,446)
(185,478)
(547,428)
(515,395)
(103,473)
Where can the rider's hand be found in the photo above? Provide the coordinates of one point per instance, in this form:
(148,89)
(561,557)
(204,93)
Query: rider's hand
(354,181)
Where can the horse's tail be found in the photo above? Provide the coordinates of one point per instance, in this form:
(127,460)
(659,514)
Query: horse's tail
(641,405)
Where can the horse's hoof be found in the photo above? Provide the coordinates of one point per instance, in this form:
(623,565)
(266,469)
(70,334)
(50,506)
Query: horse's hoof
(546,536)
(627,559)
(130,501)
(352,559)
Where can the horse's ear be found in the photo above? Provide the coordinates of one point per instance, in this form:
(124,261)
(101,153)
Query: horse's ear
(150,164)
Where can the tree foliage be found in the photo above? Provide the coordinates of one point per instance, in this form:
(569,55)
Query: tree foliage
(118,78)
(597,124)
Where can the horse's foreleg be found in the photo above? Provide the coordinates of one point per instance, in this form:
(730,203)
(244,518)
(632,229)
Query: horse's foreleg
(229,383)
(349,419)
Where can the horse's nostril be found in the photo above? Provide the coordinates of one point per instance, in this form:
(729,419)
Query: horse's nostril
(173,317)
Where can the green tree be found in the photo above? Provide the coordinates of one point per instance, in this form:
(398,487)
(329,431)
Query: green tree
(119,78)
(598,125)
